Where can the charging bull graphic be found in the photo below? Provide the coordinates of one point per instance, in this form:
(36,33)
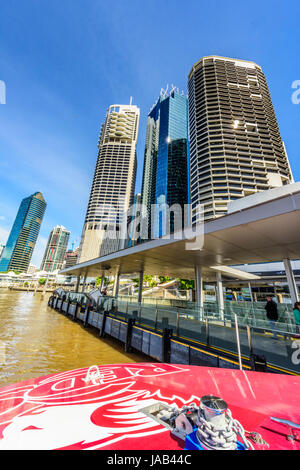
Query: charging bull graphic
(71,410)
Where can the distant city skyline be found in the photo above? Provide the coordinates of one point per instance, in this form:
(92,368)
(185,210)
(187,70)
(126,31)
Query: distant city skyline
(55,102)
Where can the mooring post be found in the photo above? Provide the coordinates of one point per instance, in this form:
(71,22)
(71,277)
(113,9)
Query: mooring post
(102,330)
(77,305)
(166,345)
(87,314)
(130,323)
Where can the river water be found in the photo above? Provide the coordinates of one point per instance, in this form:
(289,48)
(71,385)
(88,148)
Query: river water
(36,340)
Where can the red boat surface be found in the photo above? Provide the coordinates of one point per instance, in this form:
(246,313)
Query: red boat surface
(69,411)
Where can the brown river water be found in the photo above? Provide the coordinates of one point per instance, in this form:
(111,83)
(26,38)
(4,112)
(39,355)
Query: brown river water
(36,340)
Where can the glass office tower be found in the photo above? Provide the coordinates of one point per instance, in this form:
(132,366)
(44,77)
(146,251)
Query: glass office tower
(18,251)
(165,178)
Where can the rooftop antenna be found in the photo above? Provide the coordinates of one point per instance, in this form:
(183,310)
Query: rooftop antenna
(130,101)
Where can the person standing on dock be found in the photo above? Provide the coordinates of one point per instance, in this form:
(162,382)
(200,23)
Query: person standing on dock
(296,313)
(272,314)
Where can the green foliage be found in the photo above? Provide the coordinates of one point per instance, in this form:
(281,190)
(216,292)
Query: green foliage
(164,279)
(147,279)
(5,272)
(42,281)
(98,281)
(26,284)
(186,284)
(136,282)
(150,280)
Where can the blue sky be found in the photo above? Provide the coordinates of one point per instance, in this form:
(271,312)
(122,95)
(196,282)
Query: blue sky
(65,61)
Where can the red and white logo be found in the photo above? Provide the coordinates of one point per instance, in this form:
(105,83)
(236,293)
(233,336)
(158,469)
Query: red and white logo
(73,410)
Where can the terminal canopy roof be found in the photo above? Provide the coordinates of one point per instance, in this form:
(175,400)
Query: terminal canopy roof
(265,232)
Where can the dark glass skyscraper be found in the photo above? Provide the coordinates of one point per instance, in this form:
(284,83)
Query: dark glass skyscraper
(22,238)
(166,175)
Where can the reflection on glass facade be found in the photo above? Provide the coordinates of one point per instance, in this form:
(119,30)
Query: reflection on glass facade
(165,173)
(172,162)
(18,251)
(150,161)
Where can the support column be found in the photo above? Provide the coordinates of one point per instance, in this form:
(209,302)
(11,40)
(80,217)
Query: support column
(250,291)
(220,296)
(291,281)
(199,291)
(140,293)
(116,283)
(84,282)
(77,284)
(102,281)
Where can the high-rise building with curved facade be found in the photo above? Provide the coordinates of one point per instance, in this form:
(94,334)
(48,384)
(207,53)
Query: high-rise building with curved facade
(113,185)
(235,144)
(17,253)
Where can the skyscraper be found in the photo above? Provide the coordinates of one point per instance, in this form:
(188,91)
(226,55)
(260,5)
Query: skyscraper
(22,238)
(165,174)
(235,144)
(134,222)
(71,258)
(56,249)
(114,182)
(150,161)
(1,249)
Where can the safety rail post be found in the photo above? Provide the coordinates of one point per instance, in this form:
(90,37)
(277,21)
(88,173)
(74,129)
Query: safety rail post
(164,322)
(207,331)
(156,318)
(139,313)
(238,341)
(177,323)
(166,345)
(249,339)
(130,324)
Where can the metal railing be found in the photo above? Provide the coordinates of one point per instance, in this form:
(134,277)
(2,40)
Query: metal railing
(212,326)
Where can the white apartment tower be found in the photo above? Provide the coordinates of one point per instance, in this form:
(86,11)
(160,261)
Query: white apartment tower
(113,185)
(235,144)
(56,249)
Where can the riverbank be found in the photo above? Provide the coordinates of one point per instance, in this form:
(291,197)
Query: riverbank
(31,289)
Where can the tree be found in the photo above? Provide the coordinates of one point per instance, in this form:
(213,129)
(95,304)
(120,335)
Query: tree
(186,284)
(150,280)
(164,279)
(98,281)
